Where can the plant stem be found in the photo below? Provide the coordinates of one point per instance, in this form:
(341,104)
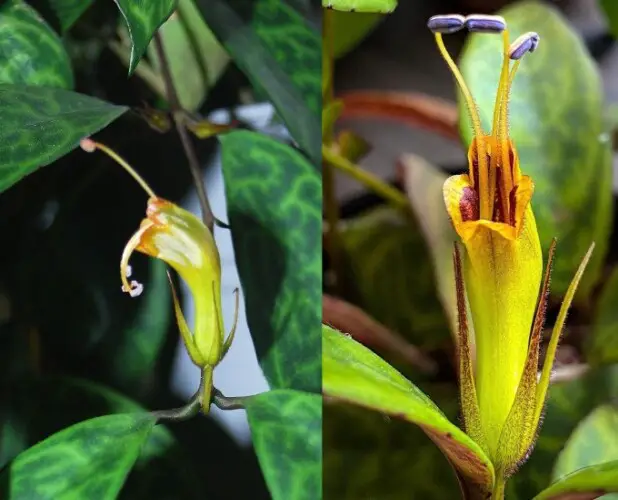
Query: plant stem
(375,184)
(185,412)
(192,408)
(228,403)
(178,115)
(329,193)
(498,493)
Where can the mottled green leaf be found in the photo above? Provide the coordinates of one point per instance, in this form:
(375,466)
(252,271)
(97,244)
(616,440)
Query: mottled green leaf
(594,441)
(350,29)
(354,374)
(135,353)
(595,480)
(286,429)
(369,455)
(30,51)
(88,460)
(46,123)
(68,11)
(568,403)
(361,5)
(143,18)
(280,54)
(602,343)
(46,406)
(392,275)
(557,124)
(274,202)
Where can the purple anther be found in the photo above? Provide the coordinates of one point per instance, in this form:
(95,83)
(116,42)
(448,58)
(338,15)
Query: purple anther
(446,24)
(480,23)
(528,42)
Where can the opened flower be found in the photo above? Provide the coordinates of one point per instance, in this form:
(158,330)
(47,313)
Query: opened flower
(180,239)
(490,208)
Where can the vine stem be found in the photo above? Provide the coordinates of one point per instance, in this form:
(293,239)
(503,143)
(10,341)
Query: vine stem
(179,120)
(192,408)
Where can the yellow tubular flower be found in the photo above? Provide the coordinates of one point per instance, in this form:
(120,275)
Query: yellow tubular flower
(180,239)
(502,267)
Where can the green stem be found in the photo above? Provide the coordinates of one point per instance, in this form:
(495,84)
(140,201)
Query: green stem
(228,403)
(375,184)
(498,493)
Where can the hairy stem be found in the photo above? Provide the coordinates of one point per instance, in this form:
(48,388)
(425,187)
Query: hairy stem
(498,493)
(179,117)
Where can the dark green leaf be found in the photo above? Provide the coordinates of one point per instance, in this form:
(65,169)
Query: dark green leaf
(594,441)
(44,407)
(286,429)
(143,18)
(611,11)
(595,480)
(361,5)
(88,460)
(46,123)
(393,275)
(354,374)
(281,54)
(568,403)
(30,52)
(350,29)
(369,455)
(602,343)
(557,125)
(69,11)
(274,202)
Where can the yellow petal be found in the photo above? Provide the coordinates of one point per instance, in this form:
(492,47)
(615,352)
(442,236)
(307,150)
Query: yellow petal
(180,239)
(502,273)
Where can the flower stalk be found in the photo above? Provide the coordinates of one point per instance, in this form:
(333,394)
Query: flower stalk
(500,274)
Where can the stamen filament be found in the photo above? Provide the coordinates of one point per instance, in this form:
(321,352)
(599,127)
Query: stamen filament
(89,146)
(501,127)
(125,268)
(476,124)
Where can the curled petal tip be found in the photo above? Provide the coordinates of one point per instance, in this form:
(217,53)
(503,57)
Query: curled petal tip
(528,42)
(88,145)
(449,23)
(135,288)
(480,23)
